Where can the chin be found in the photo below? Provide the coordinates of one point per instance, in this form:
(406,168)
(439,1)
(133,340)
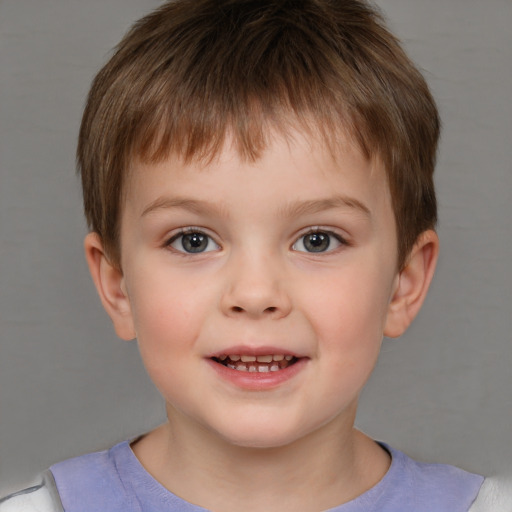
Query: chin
(260,435)
(261,442)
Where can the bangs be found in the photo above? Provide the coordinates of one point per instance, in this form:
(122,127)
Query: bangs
(189,95)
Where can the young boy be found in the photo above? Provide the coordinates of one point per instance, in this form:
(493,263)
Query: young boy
(257,179)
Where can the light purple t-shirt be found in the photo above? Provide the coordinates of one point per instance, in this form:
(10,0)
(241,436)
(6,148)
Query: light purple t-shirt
(115,481)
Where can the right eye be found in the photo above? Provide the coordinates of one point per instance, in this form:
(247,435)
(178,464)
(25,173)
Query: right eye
(192,242)
(318,241)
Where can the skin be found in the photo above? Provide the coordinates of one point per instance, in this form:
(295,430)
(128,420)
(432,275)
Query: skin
(290,444)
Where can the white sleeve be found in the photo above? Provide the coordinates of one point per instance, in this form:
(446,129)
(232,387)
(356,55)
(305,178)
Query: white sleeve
(495,495)
(42,498)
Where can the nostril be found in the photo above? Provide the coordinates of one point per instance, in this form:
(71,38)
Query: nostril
(238,309)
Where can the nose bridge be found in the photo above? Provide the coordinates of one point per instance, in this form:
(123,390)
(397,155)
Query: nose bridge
(256,284)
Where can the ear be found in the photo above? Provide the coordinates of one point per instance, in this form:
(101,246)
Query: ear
(412,284)
(109,282)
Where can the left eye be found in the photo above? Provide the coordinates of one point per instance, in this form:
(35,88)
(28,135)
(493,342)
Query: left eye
(193,242)
(317,241)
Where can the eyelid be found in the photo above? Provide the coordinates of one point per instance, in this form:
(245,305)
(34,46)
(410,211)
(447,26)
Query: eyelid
(342,241)
(187,231)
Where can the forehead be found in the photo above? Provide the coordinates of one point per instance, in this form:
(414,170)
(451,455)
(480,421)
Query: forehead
(295,166)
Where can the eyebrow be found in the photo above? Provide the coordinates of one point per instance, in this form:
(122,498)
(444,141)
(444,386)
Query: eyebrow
(192,205)
(298,208)
(293,209)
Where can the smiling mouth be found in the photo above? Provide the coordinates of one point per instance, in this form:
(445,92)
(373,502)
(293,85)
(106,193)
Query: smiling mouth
(256,364)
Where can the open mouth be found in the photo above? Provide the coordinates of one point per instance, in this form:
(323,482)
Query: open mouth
(259,364)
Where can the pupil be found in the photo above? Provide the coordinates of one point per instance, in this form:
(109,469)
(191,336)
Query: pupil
(194,242)
(317,242)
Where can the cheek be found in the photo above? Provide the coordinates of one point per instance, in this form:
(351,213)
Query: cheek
(167,314)
(348,314)
(166,323)
(349,308)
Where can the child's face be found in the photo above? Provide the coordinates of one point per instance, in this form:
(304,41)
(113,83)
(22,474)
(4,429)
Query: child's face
(293,255)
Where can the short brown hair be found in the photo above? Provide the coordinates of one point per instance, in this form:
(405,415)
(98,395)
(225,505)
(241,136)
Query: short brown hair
(194,71)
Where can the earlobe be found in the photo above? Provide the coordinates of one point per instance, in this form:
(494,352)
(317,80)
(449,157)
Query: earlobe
(109,282)
(412,284)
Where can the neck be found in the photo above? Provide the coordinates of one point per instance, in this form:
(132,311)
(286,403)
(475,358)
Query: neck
(324,469)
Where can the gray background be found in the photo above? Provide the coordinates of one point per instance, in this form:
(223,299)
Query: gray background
(443,392)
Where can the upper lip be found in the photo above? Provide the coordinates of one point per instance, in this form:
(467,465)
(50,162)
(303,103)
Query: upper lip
(263,350)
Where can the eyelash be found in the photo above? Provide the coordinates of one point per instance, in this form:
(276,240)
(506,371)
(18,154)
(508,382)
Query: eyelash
(329,235)
(319,231)
(190,231)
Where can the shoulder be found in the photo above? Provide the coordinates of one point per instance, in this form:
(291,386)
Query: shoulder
(428,487)
(96,477)
(81,484)
(40,498)
(495,495)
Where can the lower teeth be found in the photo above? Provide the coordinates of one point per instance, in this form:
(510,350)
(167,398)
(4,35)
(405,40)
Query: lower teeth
(275,366)
(254,369)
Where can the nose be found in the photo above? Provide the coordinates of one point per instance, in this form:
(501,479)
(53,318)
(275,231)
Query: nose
(256,287)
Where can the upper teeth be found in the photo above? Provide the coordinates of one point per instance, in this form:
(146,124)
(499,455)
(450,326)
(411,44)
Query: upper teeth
(250,363)
(260,359)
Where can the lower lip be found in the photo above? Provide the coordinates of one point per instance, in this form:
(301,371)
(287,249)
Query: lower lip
(258,381)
